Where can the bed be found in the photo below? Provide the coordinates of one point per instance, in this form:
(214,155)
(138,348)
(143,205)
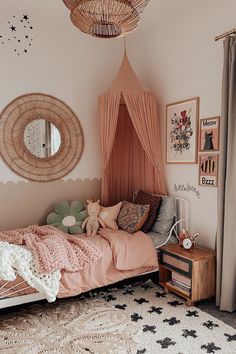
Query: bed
(122,257)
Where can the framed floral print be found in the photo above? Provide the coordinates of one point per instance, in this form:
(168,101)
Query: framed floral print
(209,134)
(208,170)
(182,131)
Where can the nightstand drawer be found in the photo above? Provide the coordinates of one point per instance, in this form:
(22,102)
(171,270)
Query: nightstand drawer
(176,262)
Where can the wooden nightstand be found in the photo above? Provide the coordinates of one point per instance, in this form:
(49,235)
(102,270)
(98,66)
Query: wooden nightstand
(189,274)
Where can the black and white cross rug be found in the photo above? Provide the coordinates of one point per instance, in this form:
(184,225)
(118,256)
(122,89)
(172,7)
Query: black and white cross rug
(136,319)
(166,325)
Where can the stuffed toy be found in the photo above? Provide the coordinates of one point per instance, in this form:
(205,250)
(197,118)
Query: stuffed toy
(92,221)
(68,217)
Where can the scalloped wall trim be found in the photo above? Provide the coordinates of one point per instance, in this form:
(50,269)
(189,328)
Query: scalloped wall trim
(26,203)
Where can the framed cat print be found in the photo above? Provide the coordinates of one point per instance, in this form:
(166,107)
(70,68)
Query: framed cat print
(182,131)
(209,134)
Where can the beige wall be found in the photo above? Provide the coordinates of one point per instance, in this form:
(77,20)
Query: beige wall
(69,65)
(23,204)
(178,60)
(62,62)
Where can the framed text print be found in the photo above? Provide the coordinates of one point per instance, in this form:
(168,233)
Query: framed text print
(182,131)
(208,170)
(209,134)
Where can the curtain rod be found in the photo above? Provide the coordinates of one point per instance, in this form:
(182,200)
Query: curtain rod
(226,34)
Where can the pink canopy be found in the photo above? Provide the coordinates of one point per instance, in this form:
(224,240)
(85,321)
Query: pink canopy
(130,136)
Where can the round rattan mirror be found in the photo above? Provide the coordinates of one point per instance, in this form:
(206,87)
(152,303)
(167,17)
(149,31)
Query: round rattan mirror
(16,143)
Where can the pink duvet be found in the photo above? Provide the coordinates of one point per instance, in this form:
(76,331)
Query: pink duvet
(122,256)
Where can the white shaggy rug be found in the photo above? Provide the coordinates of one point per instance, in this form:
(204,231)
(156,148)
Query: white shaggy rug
(133,320)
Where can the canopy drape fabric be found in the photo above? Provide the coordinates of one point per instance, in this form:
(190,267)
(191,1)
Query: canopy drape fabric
(147,172)
(128,169)
(143,111)
(108,111)
(130,136)
(226,234)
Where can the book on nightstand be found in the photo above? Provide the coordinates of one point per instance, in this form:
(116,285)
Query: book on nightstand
(181,278)
(180,286)
(180,281)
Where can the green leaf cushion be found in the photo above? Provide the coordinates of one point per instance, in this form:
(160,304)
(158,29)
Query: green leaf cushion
(76,207)
(77,229)
(68,217)
(81,216)
(54,218)
(62,208)
(62,228)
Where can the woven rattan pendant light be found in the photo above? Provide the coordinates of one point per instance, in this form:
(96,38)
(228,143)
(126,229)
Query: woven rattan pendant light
(106,18)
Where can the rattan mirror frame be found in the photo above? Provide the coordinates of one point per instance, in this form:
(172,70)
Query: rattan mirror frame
(13,121)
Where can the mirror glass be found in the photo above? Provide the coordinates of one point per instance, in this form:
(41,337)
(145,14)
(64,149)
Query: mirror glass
(42,138)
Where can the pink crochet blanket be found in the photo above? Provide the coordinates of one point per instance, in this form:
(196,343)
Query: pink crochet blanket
(53,249)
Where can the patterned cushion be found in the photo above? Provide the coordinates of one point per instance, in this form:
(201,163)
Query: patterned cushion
(132,216)
(154,201)
(165,216)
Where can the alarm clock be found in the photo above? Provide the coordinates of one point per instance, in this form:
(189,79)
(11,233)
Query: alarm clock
(189,242)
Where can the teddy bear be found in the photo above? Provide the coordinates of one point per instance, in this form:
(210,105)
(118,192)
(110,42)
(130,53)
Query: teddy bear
(92,221)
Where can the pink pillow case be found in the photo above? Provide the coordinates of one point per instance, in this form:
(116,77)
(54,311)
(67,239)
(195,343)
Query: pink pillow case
(109,215)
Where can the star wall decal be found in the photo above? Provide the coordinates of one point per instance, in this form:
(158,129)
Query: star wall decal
(16,34)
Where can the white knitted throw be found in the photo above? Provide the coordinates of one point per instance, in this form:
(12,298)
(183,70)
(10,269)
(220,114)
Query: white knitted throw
(18,258)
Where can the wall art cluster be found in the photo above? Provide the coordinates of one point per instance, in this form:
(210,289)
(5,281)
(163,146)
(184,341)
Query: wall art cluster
(17,34)
(184,137)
